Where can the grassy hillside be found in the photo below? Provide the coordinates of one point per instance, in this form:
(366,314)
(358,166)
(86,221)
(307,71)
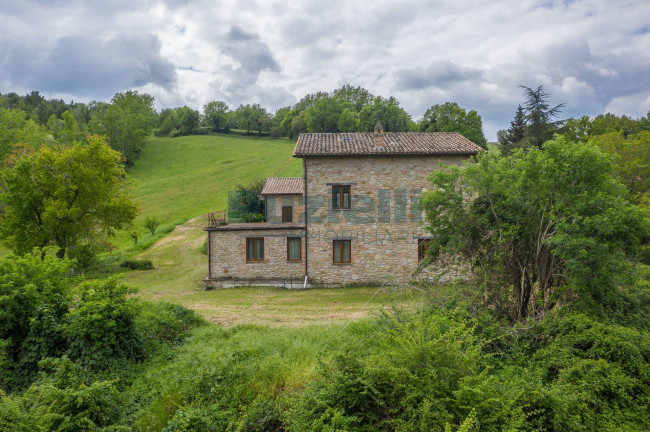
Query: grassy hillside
(180,178)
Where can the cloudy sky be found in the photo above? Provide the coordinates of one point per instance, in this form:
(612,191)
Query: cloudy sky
(592,55)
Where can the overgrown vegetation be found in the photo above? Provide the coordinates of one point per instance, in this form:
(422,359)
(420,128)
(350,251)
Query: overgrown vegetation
(548,224)
(553,334)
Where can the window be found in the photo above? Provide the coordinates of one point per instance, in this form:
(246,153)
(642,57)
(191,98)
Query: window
(423,246)
(254,249)
(340,197)
(287,214)
(294,249)
(341,251)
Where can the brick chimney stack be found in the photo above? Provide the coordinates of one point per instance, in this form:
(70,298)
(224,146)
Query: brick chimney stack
(379,135)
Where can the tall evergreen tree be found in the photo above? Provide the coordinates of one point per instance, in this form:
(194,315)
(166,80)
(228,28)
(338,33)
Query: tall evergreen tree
(540,123)
(517,129)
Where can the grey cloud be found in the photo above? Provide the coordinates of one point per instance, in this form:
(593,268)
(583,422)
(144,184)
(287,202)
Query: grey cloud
(438,74)
(251,53)
(92,67)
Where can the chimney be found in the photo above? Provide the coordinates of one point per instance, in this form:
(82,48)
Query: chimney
(379,135)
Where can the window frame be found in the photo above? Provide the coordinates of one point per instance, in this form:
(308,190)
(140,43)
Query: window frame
(290,207)
(423,247)
(299,259)
(256,241)
(341,188)
(341,246)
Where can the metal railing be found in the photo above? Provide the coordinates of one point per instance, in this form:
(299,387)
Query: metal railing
(216,219)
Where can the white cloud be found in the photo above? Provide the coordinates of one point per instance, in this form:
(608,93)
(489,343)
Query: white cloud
(590,54)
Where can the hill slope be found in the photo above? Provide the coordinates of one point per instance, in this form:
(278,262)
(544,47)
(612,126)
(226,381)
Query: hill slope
(181,178)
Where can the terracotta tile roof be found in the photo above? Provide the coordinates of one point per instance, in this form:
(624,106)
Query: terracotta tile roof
(284,186)
(394,144)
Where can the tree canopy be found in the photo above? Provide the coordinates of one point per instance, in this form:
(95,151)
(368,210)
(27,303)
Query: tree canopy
(126,122)
(64,196)
(540,222)
(450,117)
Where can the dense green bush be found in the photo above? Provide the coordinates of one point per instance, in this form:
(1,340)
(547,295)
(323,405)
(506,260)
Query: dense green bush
(134,264)
(35,297)
(100,327)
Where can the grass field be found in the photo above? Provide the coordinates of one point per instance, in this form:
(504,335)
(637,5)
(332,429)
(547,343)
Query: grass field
(181,178)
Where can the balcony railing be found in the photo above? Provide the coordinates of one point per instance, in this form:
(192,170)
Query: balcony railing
(217,219)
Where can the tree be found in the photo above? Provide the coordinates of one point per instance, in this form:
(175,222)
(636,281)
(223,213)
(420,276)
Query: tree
(632,160)
(450,117)
(126,123)
(215,115)
(348,121)
(323,116)
(358,97)
(64,196)
(248,117)
(517,129)
(539,222)
(387,111)
(188,120)
(540,125)
(576,129)
(151,223)
(16,131)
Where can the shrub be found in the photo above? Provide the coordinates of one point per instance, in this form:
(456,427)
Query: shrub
(35,296)
(151,223)
(138,264)
(101,328)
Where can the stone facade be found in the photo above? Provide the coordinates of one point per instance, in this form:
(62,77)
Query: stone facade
(383,175)
(273,207)
(229,267)
(383,224)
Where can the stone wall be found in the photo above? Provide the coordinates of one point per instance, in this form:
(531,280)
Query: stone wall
(383,224)
(274,205)
(230,268)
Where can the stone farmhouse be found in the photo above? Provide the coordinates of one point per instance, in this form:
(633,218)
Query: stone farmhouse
(352,218)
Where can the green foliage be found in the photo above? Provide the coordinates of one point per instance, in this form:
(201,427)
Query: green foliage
(516,133)
(17,131)
(348,121)
(35,296)
(151,223)
(324,115)
(215,115)
(126,122)
(251,117)
(449,117)
(134,264)
(64,196)
(540,123)
(178,122)
(244,204)
(100,327)
(46,313)
(387,111)
(537,222)
(632,155)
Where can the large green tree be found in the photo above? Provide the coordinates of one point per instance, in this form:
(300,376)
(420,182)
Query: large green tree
(539,222)
(126,122)
(632,155)
(63,196)
(387,111)
(323,116)
(215,115)
(450,117)
(540,116)
(16,131)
